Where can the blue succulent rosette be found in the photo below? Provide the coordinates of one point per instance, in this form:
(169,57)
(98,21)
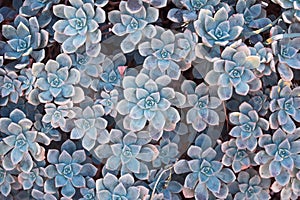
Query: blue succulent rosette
(218,29)
(24,39)
(79,26)
(67,170)
(110,187)
(248,126)
(285,106)
(279,156)
(148,100)
(133,25)
(21,144)
(128,153)
(234,71)
(206,175)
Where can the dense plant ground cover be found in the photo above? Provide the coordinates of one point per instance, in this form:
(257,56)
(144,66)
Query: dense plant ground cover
(149,99)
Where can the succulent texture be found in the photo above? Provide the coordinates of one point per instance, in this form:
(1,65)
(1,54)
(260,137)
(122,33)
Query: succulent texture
(79,26)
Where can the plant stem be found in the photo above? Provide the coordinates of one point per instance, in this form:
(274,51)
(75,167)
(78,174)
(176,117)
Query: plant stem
(258,31)
(281,36)
(158,179)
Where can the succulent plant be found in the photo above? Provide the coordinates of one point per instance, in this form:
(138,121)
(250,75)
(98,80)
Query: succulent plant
(192,6)
(254,18)
(167,153)
(206,173)
(6,179)
(218,29)
(181,129)
(110,187)
(202,113)
(290,190)
(163,53)
(234,70)
(79,26)
(39,8)
(206,54)
(267,64)
(10,87)
(133,25)
(164,185)
(24,38)
(110,76)
(197,5)
(287,51)
(251,186)
(88,193)
(32,7)
(20,144)
(57,115)
(128,152)
(55,80)
(109,102)
(28,180)
(292,12)
(47,128)
(259,101)
(284,106)
(22,105)
(279,157)
(285,3)
(238,159)
(67,170)
(136,5)
(248,126)
(148,100)
(88,66)
(90,126)
(27,80)
(38,194)
(186,44)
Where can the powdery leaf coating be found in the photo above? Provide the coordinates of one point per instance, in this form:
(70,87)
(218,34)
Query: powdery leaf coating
(168,189)
(90,126)
(218,29)
(238,159)
(292,12)
(20,145)
(79,26)
(147,100)
(5,182)
(67,171)
(110,187)
(192,6)
(168,53)
(206,173)
(110,77)
(56,81)
(132,24)
(128,152)
(284,106)
(24,39)
(234,70)
(202,113)
(112,100)
(278,157)
(252,186)
(249,127)
(11,87)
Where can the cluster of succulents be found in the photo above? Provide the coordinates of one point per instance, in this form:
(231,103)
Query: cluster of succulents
(149,99)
